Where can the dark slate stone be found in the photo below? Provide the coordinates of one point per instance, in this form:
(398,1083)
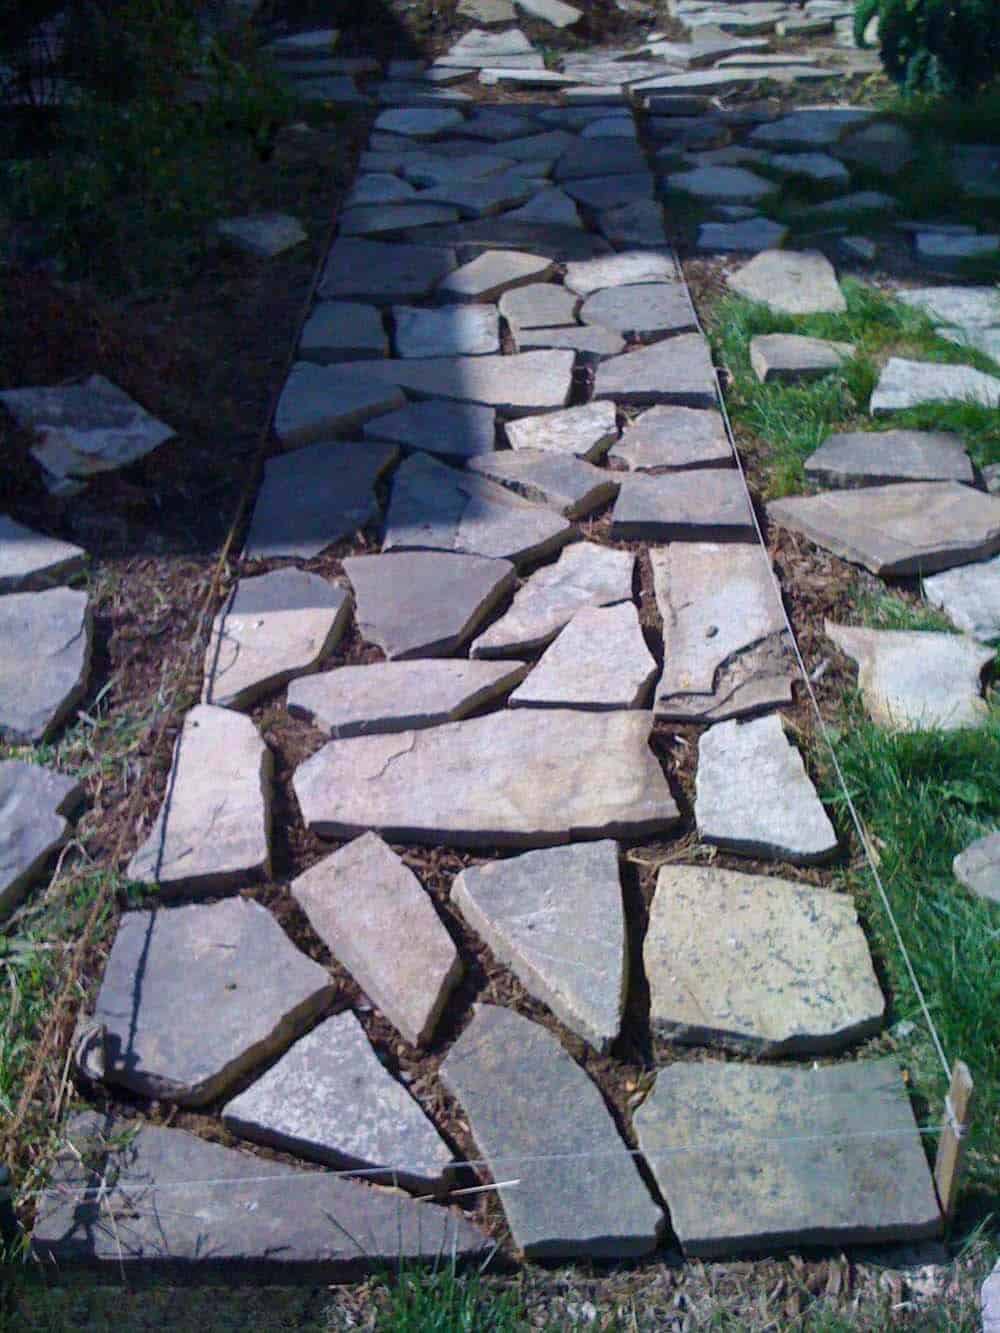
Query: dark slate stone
(33,803)
(454,430)
(703,504)
(385,273)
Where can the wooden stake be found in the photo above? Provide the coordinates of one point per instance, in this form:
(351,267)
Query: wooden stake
(951,1145)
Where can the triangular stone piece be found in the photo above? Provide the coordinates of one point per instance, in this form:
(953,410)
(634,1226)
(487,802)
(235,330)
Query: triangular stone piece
(978,867)
(583,432)
(970,597)
(30,561)
(455,430)
(599,661)
(674,437)
(875,458)
(45,648)
(33,803)
(555,917)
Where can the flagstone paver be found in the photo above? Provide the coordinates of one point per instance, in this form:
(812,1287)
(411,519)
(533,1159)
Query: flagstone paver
(264,235)
(383,272)
(674,437)
(752,234)
(539,305)
(651,308)
(525,1099)
(610,157)
(585,432)
(454,430)
(34,803)
(514,385)
(491,274)
(676,370)
(904,384)
(870,458)
(792,282)
(591,275)
(599,661)
(726,184)
(592,343)
(418,122)
(978,867)
(638,224)
(789,358)
(320,401)
(706,503)
(383,219)
(31,561)
(343,331)
(561,482)
(45,650)
(969,595)
(472,330)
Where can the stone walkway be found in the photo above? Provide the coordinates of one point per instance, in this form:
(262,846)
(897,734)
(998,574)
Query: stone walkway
(503,343)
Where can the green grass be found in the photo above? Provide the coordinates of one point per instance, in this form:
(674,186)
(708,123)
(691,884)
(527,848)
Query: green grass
(445,1302)
(882,609)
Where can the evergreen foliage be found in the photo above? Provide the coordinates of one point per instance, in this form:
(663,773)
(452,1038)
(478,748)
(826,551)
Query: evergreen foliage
(937,46)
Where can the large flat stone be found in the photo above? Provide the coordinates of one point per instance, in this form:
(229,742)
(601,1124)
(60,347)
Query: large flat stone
(526,1100)
(751,234)
(756,1158)
(611,157)
(812,127)
(31,561)
(395,219)
(566,484)
(313,497)
(867,458)
(510,779)
(263,235)
(959,306)
(177,1204)
(904,384)
(584,575)
(232,965)
(320,401)
(726,649)
(425,603)
(635,225)
(603,192)
(969,595)
(364,904)
(599,661)
(343,331)
(755,797)
(555,12)
(789,281)
(978,867)
(33,804)
(990,1301)
(591,342)
(492,273)
(591,275)
(707,504)
(529,910)
(728,185)
(485,198)
(914,527)
(650,308)
(677,370)
(451,331)
(539,305)
(915,680)
(478,47)
(584,432)
(790,358)
(674,437)
(380,187)
(514,385)
(329,1098)
(45,649)
(212,832)
(818,168)
(758,964)
(551,206)
(383,697)
(271,629)
(382,272)
(454,430)
(419,122)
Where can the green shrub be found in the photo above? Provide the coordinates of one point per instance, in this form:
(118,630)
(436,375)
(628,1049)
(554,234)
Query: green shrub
(937,46)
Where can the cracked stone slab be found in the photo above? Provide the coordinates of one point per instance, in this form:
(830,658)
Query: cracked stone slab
(674,437)
(451,331)
(876,458)
(31,561)
(85,428)
(754,797)
(794,282)
(213,829)
(254,1216)
(566,484)
(599,661)
(492,273)
(913,527)
(904,384)
(726,650)
(676,370)
(539,305)
(343,331)
(314,496)
(34,803)
(232,965)
(978,867)
(651,308)
(969,595)
(45,650)
(526,1099)
(382,272)
(757,964)
(751,1157)
(584,432)
(263,235)
(514,385)
(531,909)
(790,358)
(710,504)
(363,902)
(320,401)
(425,603)
(454,430)
(271,629)
(916,680)
(584,575)
(509,779)
(728,185)
(434,507)
(330,1099)
(591,275)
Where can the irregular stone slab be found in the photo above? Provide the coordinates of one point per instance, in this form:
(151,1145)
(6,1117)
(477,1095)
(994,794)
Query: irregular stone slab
(917,680)
(479,48)
(599,661)
(419,122)
(677,370)
(531,382)
(309,45)
(568,485)
(883,146)
(363,903)
(904,384)
(812,127)
(435,171)
(271,629)
(456,430)
(863,201)
(561,243)
(976,167)
(380,188)
(509,779)
(383,272)
(592,342)
(315,496)
(613,157)
(232,965)
(960,306)
(674,437)
(527,1101)
(192,1204)
(540,146)
(698,81)
(865,458)
(789,358)
(539,305)
(859,247)
(528,75)
(483,198)
(990,1301)
(970,597)
(914,527)
(754,234)
(497,124)
(978,867)
(471,331)
(492,273)
(586,431)
(33,803)
(329,1098)
(213,829)
(591,275)
(752,1157)
(384,697)
(548,207)
(584,575)
(334,89)
(949,253)
(343,331)
(556,13)
(728,184)
(425,603)
(777,814)
(620,125)
(603,192)
(819,168)
(683,506)
(652,308)
(792,282)
(264,235)
(320,401)
(31,561)
(45,648)
(379,219)
(726,650)
(638,224)
(760,965)
(85,428)
(529,910)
